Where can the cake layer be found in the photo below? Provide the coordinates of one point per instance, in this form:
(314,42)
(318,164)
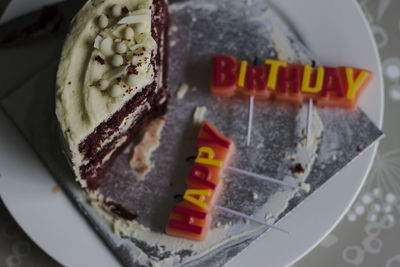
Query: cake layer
(93,170)
(107,58)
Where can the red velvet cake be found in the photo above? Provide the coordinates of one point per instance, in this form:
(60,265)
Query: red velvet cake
(111,80)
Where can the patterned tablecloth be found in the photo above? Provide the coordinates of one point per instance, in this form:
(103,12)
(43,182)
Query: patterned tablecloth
(369,234)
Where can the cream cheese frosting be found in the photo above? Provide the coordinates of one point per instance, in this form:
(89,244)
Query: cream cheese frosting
(106,60)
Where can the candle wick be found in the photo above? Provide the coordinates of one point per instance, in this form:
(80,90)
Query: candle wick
(250,218)
(250,122)
(262,177)
(309,120)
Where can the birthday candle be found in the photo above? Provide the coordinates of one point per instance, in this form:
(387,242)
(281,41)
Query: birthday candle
(327,86)
(191,217)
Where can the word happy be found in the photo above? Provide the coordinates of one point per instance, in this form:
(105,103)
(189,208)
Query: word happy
(191,217)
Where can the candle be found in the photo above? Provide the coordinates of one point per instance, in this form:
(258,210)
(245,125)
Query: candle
(327,86)
(191,217)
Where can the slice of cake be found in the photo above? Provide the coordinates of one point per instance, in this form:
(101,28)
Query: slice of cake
(111,80)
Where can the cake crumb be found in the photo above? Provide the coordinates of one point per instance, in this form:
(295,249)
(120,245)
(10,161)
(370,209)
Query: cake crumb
(173,28)
(292,157)
(360,148)
(267,216)
(140,161)
(56,189)
(246,221)
(303,142)
(199,114)
(304,132)
(180,94)
(306,187)
(254,195)
(259,145)
(334,157)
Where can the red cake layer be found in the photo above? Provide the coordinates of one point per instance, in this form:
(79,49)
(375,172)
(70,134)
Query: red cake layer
(153,94)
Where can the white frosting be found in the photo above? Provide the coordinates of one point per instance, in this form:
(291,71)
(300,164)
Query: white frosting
(223,233)
(92,79)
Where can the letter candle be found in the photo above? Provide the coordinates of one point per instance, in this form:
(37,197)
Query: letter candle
(327,86)
(191,218)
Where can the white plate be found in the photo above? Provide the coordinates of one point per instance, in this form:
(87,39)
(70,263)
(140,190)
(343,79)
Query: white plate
(337,33)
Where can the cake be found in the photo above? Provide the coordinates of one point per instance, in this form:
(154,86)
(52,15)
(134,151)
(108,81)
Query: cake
(111,81)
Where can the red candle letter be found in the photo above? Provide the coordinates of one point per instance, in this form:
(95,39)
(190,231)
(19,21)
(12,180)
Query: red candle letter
(225,71)
(201,174)
(215,137)
(332,83)
(255,76)
(287,81)
(187,225)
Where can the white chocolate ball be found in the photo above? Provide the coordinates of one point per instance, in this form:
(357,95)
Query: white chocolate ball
(117,60)
(103,84)
(129,33)
(136,60)
(140,27)
(120,47)
(102,21)
(116,90)
(106,47)
(116,10)
(132,80)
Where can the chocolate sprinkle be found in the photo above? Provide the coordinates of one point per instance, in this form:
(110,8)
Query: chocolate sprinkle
(132,70)
(125,10)
(100,60)
(121,211)
(297,168)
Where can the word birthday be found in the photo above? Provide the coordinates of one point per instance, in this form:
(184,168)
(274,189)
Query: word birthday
(191,217)
(327,86)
